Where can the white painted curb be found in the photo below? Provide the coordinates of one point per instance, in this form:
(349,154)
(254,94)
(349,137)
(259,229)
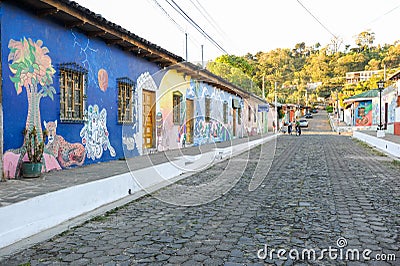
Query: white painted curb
(381,144)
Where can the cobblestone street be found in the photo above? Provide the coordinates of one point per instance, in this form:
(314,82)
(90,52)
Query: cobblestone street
(320,188)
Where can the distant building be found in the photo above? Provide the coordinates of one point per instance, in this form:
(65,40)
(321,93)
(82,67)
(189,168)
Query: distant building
(355,77)
(362,110)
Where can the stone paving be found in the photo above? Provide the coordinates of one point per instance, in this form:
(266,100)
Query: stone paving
(319,189)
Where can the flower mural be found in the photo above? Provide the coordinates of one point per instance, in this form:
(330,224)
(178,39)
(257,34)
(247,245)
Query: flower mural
(31,67)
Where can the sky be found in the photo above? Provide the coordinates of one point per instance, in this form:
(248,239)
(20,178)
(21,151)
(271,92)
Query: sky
(240,27)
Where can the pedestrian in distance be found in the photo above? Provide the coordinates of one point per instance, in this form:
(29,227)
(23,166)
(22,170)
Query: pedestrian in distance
(289,128)
(298,128)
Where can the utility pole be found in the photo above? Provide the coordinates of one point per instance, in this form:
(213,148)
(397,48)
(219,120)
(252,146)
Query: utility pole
(307,97)
(202,56)
(186,40)
(276,108)
(337,105)
(384,72)
(263,87)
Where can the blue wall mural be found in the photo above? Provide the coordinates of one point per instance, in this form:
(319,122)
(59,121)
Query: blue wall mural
(104,64)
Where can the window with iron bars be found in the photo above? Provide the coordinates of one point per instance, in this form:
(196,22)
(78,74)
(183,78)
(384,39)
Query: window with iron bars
(126,88)
(73,80)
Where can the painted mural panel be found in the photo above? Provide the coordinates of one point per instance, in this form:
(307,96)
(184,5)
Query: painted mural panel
(375,111)
(31,68)
(214,130)
(130,132)
(32,64)
(185,100)
(363,113)
(67,154)
(390,99)
(171,105)
(250,119)
(95,134)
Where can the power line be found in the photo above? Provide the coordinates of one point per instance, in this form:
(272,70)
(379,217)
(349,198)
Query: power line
(309,12)
(208,17)
(181,29)
(170,18)
(194,24)
(178,9)
(385,14)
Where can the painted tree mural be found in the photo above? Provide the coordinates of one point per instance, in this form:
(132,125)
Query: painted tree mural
(31,68)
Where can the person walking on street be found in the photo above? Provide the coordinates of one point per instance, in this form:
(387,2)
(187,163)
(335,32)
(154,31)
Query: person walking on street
(289,128)
(298,128)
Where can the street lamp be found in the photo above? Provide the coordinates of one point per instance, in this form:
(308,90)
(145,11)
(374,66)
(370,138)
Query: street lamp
(381,86)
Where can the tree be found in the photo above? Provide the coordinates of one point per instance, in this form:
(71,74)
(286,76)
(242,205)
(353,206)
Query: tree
(335,44)
(392,57)
(293,68)
(373,64)
(225,69)
(365,39)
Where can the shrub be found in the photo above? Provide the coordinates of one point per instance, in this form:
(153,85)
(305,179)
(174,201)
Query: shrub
(329,109)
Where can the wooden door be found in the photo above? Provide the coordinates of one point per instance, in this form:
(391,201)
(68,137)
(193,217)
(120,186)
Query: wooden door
(189,121)
(148,118)
(234,122)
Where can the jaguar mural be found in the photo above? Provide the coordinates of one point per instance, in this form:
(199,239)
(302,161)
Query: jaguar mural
(94,134)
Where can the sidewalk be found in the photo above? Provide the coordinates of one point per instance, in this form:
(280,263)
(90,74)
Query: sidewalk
(15,190)
(390,144)
(31,206)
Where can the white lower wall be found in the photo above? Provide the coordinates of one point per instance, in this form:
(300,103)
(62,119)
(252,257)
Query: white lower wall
(34,215)
(384,145)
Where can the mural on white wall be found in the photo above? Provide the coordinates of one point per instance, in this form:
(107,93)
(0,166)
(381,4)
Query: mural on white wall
(146,81)
(129,142)
(94,134)
(214,130)
(391,110)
